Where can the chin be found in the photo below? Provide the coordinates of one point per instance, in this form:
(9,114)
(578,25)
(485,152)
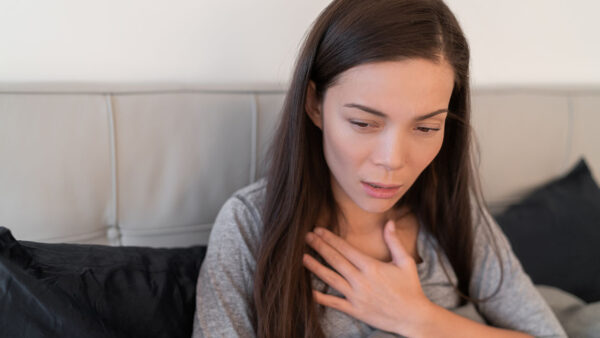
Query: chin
(377,206)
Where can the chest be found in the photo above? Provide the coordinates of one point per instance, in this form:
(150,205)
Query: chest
(374,245)
(436,286)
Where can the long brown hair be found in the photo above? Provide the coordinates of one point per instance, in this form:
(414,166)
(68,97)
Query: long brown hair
(346,34)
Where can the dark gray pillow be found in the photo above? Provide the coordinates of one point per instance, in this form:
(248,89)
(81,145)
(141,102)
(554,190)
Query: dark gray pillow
(76,290)
(555,233)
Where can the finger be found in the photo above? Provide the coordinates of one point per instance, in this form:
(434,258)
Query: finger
(357,258)
(399,253)
(334,302)
(332,256)
(327,275)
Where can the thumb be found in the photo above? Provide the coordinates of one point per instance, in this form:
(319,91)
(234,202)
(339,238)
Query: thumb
(399,253)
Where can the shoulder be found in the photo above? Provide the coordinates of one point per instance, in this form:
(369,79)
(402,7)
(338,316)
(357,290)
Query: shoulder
(487,234)
(239,222)
(252,196)
(512,302)
(495,265)
(225,282)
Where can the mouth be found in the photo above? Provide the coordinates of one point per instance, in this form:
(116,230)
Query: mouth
(380,190)
(382,186)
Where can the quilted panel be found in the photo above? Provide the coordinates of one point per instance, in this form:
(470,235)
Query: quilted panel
(179,157)
(523,142)
(586,134)
(269,112)
(55,173)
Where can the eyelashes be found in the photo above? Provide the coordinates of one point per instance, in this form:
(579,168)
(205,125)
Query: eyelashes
(423,130)
(427,130)
(360,124)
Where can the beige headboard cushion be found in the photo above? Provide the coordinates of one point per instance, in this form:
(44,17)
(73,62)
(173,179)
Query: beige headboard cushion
(528,137)
(152,166)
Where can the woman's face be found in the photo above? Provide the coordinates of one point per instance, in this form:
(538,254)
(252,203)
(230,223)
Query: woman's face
(382,123)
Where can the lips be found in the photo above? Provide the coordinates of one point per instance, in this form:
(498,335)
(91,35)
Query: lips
(382,185)
(376,190)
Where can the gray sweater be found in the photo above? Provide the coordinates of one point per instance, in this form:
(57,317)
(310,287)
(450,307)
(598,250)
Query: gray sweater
(225,282)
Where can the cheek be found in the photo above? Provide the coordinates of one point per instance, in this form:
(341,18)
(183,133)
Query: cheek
(425,152)
(343,151)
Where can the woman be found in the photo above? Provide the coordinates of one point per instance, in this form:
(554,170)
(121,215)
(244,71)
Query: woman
(368,220)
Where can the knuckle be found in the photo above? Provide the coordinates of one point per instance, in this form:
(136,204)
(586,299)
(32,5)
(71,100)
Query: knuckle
(317,244)
(336,302)
(408,262)
(335,261)
(308,262)
(329,278)
(371,269)
(315,241)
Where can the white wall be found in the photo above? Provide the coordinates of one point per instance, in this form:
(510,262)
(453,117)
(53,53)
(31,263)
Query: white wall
(513,42)
(529,42)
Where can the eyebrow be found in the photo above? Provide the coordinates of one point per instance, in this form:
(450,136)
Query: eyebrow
(378,113)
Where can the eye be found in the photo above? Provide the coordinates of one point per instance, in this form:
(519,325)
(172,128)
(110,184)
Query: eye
(426,130)
(360,125)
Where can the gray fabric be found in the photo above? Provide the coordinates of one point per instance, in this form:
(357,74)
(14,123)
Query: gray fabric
(224,292)
(580,319)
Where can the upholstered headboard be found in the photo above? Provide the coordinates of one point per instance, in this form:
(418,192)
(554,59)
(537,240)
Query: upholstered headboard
(152,164)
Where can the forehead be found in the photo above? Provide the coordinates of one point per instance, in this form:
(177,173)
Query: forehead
(413,84)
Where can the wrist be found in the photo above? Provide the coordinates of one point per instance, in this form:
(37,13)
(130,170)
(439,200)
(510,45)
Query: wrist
(422,317)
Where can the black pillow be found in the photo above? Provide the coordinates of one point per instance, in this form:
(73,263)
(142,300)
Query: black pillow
(555,233)
(76,290)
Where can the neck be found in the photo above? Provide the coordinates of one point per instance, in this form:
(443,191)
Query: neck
(357,222)
(354,221)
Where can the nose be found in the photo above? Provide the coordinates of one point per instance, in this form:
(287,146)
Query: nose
(392,150)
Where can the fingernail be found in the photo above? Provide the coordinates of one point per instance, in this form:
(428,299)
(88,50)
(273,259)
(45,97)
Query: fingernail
(319,231)
(391,226)
(310,237)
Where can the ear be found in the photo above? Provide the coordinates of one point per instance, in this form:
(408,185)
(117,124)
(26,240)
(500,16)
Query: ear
(313,106)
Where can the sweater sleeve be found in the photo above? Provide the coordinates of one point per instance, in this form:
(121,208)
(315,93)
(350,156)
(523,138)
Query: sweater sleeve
(224,305)
(517,305)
